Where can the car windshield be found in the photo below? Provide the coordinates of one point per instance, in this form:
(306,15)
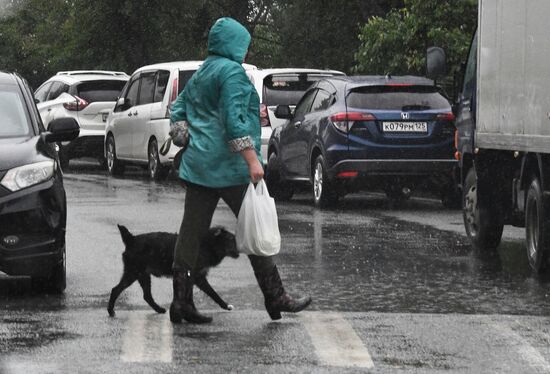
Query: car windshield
(397,98)
(101,90)
(288,88)
(13,119)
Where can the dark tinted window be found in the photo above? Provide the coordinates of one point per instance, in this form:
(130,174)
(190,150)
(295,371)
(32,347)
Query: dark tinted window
(57,89)
(304,105)
(184,77)
(131,95)
(471,68)
(42,92)
(162,83)
(147,89)
(102,90)
(287,89)
(15,121)
(397,98)
(322,101)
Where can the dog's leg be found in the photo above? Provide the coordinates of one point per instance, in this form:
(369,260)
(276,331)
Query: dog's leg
(202,283)
(145,282)
(125,282)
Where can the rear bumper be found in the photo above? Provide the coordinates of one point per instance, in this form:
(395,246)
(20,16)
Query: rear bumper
(394,167)
(85,146)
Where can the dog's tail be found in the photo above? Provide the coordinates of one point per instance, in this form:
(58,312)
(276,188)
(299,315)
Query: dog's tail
(127,237)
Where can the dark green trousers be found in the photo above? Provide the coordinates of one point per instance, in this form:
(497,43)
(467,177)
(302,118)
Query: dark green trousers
(200,204)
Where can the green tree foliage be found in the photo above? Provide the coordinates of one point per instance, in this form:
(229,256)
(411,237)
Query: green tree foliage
(397,43)
(39,38)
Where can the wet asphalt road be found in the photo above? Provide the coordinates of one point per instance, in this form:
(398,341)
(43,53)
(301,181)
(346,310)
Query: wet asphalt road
(395,288)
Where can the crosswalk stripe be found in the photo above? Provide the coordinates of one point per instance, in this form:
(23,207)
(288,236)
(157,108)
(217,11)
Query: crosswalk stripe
(335,341)
(147,340)
(526,351)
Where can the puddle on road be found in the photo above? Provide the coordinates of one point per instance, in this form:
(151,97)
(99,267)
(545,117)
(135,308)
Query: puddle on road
(376,263)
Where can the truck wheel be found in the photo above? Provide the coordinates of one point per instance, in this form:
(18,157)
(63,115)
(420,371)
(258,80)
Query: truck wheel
(482,222)
(324,191)
(537,228)
(277,187)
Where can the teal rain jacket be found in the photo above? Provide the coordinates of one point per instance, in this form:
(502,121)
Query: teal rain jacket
(222,108)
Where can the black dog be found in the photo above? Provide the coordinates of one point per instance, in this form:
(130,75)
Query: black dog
(153,253)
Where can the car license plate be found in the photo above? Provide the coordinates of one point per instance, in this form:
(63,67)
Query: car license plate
(104,116)
(421,127)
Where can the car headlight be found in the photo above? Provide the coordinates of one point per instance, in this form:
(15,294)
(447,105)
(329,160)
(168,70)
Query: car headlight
(28,175)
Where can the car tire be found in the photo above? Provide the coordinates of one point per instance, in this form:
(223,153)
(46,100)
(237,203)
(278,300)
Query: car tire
(324,191)
(276,186)
(63,157)
(537,228)
(155,169)
(482,223)
(56,282)
(114,166)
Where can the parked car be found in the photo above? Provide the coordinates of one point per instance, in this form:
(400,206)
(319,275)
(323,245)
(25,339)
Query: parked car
(87,96)
(353,133)
(140,121)
(32,198)
(282,87)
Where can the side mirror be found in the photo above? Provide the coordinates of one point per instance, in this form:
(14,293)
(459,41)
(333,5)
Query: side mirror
(62,130)
(121,101)
(283,112)
(436,65)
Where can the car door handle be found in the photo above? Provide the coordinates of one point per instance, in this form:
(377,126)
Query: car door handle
(130,114)
(49,109)
(135,113)
(297,124)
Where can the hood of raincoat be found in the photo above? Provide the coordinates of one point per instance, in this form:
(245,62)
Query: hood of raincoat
(230,39)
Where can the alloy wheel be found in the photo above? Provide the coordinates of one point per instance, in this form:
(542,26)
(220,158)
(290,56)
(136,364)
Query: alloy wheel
(318,182)
(470,210)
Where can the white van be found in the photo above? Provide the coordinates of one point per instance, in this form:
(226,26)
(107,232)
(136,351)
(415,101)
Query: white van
(140,121)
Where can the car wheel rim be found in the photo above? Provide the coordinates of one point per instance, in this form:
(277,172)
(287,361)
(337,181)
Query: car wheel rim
(532,229)
(110,155)
(318,182)
(153,162)
(470,209)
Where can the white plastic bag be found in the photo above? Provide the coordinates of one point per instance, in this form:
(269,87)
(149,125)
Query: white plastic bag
(257,224)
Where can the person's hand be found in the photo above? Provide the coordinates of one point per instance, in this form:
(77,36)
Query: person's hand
(256,171)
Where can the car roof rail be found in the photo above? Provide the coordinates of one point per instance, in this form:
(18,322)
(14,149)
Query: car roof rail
(93,72)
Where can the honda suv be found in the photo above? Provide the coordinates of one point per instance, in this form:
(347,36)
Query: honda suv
(33,208)
(371,132)
(86,96)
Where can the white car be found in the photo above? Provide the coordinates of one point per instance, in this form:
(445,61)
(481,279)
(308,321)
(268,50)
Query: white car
(281,87)
(87,96)
(140,121)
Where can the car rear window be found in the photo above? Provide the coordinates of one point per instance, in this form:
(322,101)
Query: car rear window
(101,90)
(14,121)
(397,98)
(184,77)
(288,88)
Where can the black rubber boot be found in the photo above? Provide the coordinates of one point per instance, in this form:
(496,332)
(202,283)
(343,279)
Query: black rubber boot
(276,299)
(182,306)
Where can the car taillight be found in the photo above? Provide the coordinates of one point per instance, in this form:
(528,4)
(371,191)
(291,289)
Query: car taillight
(345,121)
(449,116)
(76,105)
(264,116)
(173,96)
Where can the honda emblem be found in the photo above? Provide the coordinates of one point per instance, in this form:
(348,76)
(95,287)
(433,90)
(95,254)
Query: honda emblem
(405,115)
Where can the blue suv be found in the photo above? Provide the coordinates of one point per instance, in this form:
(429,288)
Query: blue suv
(365,132)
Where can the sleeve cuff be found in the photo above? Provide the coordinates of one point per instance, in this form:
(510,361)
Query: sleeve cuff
(240,144)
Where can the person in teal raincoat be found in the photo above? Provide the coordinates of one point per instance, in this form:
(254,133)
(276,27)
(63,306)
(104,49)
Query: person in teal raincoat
(221,107)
